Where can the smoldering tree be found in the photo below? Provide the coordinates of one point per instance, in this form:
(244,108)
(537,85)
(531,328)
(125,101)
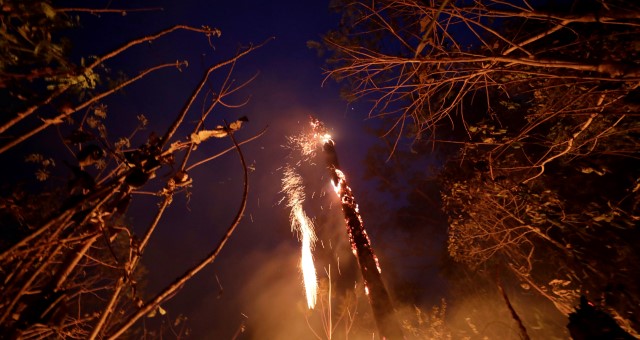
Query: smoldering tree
(69,262)
(543,103)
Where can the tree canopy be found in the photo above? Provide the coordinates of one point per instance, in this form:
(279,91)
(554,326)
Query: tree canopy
(70,261)
(531,111)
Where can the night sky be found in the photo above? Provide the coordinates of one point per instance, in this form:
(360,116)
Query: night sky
(428,197)
(257,269)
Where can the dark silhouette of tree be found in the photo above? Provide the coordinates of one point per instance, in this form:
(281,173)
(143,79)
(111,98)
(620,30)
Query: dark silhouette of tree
(543,104)
(587,322)
(70,263)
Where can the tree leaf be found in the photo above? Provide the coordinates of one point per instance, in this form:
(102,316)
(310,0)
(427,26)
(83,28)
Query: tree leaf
(203,135)
(48,10)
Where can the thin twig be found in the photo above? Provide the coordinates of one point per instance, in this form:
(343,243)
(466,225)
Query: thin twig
(179,283)
(176,123)
(99,61)
(61,117)
(108,10)
(192,166)
(523,330)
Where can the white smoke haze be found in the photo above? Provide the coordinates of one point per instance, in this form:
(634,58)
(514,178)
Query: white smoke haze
(274,303)
(276,306)
(484,315)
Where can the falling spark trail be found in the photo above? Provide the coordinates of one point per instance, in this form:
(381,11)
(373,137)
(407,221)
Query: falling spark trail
(292,186)
(360,244)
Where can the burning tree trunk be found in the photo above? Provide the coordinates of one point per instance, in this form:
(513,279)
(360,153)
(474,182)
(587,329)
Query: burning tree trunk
(379,300)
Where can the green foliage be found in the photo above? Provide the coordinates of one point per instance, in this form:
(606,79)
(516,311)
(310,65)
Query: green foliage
(32,55)
(27,29)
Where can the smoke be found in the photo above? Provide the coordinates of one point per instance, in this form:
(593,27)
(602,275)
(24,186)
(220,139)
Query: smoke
(274,298)
(273,303)
(276,307)
(484,314)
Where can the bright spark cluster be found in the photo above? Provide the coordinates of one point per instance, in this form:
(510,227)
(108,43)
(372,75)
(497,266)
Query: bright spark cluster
(379,299)
(293,187)
(305,143)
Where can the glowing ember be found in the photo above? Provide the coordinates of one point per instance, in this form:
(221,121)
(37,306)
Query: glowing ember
(294,189)
(308,270)
(307,144)
(377,262)
(360,243)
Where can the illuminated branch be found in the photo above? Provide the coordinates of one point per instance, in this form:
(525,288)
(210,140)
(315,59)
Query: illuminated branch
(25,287)
(174,126)
(55,258)
(64,115)
(569,143)
(80,252)
(430,72)
(258,135)
(534,110)
(20,116)
(137,255)
(179,282)
(65,217)
(379,300)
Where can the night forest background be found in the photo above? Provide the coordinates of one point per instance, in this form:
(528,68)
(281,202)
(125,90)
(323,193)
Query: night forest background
(495,145)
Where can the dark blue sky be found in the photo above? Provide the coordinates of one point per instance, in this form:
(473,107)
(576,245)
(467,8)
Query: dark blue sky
(258,267)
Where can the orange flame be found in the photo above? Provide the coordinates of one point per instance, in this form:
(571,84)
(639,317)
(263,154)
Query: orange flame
(292,186)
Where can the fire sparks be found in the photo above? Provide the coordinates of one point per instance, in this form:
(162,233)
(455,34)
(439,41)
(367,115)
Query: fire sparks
(360,242)
(306,144)
(294,189)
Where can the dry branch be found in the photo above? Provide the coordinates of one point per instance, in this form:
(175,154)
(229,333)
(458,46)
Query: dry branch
(179,283)
(59,119)
(99,61)
(61,272)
